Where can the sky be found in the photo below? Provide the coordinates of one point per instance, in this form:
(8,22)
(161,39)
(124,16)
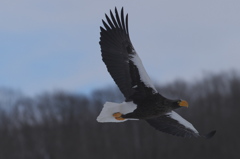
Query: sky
(51,45)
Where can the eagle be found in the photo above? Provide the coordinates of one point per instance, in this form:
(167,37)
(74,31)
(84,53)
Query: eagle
(142,100)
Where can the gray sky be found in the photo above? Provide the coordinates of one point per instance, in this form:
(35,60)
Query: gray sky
(53,44)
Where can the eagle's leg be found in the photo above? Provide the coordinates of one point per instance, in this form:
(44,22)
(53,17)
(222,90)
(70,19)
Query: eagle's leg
(135,115)
(129,115)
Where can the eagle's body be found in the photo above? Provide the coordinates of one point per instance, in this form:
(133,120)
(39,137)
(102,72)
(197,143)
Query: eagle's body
(151,106)
(142,100)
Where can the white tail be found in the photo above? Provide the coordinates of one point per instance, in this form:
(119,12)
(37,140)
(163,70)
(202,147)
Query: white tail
(110,108)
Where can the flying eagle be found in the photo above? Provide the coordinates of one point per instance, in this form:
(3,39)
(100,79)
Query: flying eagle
(142,100)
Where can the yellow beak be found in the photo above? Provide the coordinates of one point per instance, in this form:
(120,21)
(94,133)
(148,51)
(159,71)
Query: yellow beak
(183,103)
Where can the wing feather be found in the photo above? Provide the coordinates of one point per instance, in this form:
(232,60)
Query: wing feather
(174,124)
(121,59)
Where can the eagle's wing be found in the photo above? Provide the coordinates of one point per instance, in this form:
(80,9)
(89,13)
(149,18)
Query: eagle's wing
(173,123)
(121,59)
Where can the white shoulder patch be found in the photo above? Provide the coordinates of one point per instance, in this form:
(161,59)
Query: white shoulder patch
(142,72)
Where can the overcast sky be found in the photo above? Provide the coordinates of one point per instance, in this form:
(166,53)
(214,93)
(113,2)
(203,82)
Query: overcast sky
(48,45)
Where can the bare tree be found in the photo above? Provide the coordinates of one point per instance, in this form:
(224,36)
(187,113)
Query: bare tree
(61,125)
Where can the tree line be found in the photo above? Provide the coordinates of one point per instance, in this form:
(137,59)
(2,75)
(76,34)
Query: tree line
(63,125)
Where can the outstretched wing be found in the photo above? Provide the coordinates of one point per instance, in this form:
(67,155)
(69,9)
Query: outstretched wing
(174,124)
(121,59)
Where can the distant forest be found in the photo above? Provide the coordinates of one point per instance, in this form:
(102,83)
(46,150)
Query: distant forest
(62,125)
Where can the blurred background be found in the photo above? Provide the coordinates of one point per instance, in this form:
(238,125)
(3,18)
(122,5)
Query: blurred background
(53,82)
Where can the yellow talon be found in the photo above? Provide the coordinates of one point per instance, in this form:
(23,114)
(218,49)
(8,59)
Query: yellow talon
(119,118)
(117,115)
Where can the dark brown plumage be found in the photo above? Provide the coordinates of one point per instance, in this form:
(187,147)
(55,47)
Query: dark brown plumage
(127,71)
